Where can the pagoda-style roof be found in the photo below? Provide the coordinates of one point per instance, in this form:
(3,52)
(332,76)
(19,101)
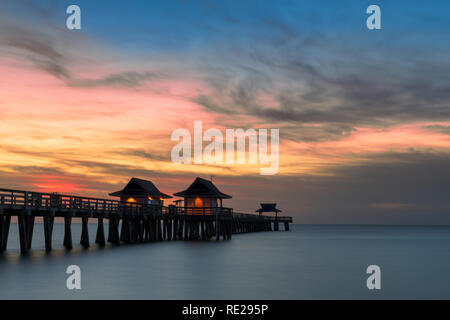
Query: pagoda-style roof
(140,187)
(268,207)
(202,188)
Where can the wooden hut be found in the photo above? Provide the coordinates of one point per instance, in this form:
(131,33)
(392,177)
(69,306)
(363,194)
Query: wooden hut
(141,191)
(268,207)
(202,197)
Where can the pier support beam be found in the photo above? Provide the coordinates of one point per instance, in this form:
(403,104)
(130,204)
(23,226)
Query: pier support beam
(187,223)
(23,234)
(158,227)
(5,222)
(2,219)
(133,231)
(48,231)
(30,228)
(5,232)
(210,228)
(224,229)
(68,233)
(110,229)
(217,230)
(202,230)
(146,223)
(113,234)
(84,241)
(141,225)
(169,228)
(164,226)
(151,228)
(2,231)
(100,238)
(286,226)
(180,228)
(175,228)
(125,230)
(136,227)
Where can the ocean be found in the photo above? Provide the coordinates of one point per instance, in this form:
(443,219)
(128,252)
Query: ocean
(309,262)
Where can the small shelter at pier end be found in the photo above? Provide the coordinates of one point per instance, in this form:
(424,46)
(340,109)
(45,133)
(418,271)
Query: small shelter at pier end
(141,191)
(268,207)
(201,197)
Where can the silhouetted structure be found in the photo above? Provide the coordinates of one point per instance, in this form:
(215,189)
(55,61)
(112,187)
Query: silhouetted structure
(128,221)
(268,207)
(141,191)
(202,197)
(272,207)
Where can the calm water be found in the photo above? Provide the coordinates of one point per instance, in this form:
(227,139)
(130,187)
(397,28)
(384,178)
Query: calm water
(310,262)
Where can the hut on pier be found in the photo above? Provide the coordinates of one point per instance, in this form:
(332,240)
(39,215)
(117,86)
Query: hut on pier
(268,207)
(202,197)
(141,191)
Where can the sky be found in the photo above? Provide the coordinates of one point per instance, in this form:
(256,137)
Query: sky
(364,115)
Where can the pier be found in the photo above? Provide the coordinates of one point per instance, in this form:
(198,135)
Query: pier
(127,222)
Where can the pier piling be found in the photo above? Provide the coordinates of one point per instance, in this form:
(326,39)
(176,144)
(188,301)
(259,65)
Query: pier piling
(100,238)
(84,241)
(113,234)
(6,226)
(67,233)
(22,234)
(2,222)
(48,231)
(30,227)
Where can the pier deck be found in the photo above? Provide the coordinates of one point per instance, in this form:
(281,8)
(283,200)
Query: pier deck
(128,222)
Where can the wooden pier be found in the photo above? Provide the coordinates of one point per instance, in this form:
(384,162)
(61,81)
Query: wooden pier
(128,222)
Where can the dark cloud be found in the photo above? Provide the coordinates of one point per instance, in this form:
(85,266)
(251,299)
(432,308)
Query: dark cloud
(34,45)
(125,79)
(52,67)
(47,47)
(439,129)
(307,133)
(144,154)
(33,42)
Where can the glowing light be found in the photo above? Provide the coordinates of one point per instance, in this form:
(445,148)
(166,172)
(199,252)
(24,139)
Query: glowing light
(198,202)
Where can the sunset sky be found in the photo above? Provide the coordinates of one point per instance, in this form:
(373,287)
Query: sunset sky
(364,115)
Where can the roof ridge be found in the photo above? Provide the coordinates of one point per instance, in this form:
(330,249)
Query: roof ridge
(206,185)
(146,185)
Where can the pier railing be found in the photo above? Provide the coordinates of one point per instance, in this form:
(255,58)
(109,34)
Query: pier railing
(41,201)
(203,210)
(45,201)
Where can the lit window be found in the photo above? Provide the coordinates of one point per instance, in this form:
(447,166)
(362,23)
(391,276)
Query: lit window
(198,202)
